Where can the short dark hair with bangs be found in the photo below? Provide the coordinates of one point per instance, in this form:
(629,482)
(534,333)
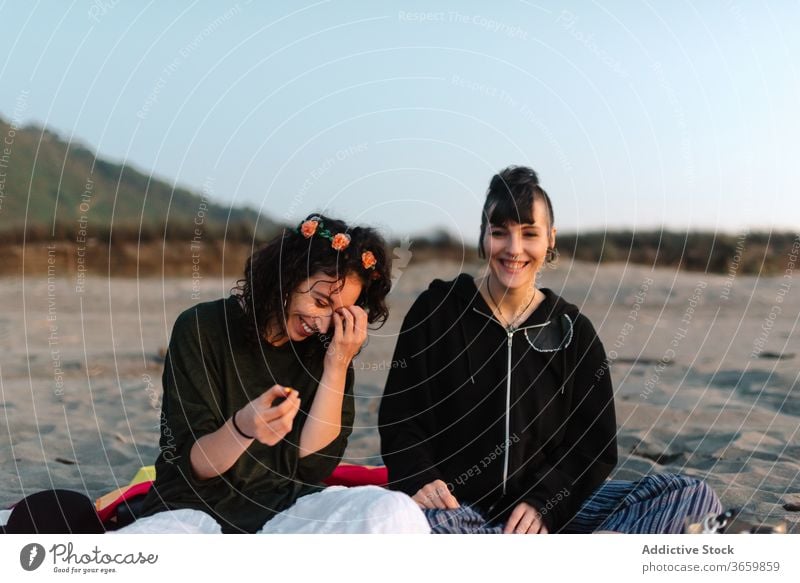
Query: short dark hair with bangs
(510,199)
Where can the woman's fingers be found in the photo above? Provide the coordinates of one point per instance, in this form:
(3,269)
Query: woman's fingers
(513,520)
(349,323)
(272,422)
(361,322)
(433,495)
(525,519)
(445,495)
(275,392)
(426,497)
(422,500)
(295,400)
(350,333)
(274,433)
(289,407)
(280,426)
(265,412)
(338,327)
(355,327)
(526,524)
(536,526)
(436,495)
(347,340)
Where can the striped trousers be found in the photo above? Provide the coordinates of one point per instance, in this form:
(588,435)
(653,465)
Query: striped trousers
(654,504)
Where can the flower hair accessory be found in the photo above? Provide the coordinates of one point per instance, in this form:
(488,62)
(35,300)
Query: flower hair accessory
(339,241)
(368,260)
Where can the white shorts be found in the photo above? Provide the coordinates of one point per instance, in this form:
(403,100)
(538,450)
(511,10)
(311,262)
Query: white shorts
(334,510)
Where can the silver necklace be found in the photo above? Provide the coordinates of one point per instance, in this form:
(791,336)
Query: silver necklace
(499,311)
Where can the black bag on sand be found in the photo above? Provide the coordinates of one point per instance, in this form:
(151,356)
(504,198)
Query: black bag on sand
(54,512)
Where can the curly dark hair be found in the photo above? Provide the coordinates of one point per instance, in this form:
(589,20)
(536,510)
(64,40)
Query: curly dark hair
(510,199)
(278,268)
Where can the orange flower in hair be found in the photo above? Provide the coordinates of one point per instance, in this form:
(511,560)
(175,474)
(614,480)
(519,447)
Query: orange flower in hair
(368,260)
(308,228)
(340,241)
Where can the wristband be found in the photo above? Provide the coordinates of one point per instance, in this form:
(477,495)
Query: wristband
(238,430)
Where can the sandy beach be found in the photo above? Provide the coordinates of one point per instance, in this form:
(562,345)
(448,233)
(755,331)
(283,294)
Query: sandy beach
(705,370)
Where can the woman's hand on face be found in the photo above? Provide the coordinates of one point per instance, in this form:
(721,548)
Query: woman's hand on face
(525,519)
(349,334)
(269,423)
(436,495)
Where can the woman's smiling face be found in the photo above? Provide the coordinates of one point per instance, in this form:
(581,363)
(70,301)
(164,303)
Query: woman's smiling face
(312,304)
(516,251)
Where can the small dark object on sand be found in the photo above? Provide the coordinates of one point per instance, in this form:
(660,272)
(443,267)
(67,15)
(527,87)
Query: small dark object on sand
(776,355)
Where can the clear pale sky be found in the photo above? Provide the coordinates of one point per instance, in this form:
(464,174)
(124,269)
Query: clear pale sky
(635,115)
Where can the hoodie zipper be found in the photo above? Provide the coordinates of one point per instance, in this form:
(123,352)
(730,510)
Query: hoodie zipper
(510,331)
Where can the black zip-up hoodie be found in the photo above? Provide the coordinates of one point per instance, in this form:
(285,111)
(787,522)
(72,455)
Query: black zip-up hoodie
(545,435)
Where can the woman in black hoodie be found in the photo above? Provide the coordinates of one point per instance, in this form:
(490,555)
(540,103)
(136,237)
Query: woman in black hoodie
(501,418)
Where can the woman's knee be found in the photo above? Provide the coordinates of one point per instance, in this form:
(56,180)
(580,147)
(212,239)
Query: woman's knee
(388,511)
(706,496)
(182,521)
(703,498)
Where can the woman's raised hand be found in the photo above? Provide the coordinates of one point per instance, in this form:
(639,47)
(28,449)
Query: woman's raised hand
(266,422)
(349,334)
(435,495)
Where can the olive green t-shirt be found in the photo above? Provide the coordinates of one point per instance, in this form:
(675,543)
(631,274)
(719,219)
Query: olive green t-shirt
(210,372)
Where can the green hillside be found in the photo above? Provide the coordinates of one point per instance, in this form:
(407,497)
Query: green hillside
(70,196)
(58,183)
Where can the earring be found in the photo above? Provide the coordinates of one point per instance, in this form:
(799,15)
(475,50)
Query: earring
(552,257)
(285,299)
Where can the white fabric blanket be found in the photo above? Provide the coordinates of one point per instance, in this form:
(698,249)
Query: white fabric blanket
(334,510)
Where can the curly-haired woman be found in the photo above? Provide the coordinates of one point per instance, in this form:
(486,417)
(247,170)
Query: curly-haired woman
(258,394)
